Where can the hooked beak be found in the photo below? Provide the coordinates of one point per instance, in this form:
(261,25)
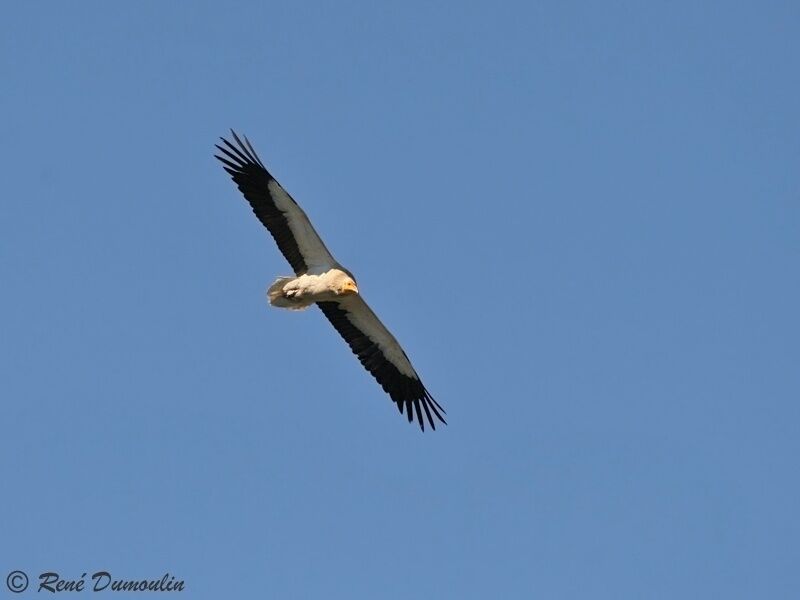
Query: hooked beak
(349,288)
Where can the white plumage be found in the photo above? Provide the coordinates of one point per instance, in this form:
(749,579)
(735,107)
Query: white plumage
(297,293)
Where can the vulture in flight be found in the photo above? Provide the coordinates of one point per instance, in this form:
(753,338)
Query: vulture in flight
(320,280)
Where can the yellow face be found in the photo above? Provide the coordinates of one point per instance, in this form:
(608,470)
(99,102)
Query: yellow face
(349,287)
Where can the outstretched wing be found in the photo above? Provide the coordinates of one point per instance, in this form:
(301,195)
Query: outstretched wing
(381,355)
(274,207)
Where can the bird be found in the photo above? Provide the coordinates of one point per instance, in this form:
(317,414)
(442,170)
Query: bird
(320,279)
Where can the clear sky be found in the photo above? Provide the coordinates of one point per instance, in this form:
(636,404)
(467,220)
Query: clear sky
(582,221)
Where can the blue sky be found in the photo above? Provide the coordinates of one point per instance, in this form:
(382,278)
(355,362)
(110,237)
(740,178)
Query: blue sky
(580,219)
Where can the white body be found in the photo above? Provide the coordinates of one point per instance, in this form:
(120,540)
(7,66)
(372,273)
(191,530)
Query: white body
(297,293)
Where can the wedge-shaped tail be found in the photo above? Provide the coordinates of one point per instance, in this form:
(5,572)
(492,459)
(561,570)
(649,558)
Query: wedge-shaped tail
(279,299)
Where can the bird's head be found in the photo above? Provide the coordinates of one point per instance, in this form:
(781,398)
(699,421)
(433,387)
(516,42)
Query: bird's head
(348,286)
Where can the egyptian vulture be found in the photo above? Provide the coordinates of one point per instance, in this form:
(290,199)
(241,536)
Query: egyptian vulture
(321,280)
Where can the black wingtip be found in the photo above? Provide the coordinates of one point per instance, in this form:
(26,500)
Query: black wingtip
(240,151)
(253,152)
(419,415)
(433,410)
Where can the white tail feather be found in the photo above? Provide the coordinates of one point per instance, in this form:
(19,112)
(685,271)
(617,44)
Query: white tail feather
(278,299)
